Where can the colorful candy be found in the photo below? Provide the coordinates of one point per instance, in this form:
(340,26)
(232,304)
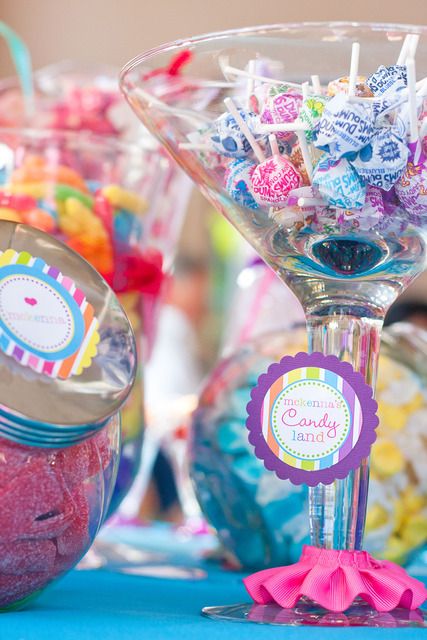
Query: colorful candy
(45,509)
(100,222)
(339,183)
(382,162)
(344,127)
(273,179)
(348,139)
(282,105)
(228,139)
(238,182)
(411,188)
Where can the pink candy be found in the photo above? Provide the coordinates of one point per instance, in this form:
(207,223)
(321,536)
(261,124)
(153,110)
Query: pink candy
(273,179)
(45,512)
(282,107)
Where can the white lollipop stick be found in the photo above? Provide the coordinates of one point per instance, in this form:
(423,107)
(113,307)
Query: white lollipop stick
(245,74)
(304,90)
(311,202)
(404,50)
(315,81)
(422,90)
(283,127)
(413,44)
(251,82)
(273,144)
(231,107)
(354,68)
(412,100)
(305,154)
(196,146)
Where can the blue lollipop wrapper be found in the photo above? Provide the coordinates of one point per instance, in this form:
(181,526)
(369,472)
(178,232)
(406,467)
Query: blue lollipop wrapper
(339,183)
(238,182)
(228,138)
(382,162)
(387,80)
(344,127)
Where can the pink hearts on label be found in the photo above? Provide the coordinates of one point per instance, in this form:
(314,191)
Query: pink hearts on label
(31,301)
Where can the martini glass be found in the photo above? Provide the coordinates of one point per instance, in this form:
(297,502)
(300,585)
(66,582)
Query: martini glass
(345,278)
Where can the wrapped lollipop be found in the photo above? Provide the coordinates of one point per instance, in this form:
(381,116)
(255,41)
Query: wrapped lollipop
(238,182)
(283,104)
(411,189)
(274,178)
(339,183)
(229,138)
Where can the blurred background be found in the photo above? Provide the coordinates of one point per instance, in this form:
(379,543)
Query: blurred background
(112,31)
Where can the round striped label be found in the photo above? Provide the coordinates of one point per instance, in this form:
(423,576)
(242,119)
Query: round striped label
(312,418)
(46,323)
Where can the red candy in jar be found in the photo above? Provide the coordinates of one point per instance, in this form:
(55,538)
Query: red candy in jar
(58,459)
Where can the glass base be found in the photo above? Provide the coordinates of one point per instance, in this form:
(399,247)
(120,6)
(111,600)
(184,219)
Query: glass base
(307,613)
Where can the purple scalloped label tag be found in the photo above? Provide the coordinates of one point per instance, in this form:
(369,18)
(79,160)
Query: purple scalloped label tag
(312,418)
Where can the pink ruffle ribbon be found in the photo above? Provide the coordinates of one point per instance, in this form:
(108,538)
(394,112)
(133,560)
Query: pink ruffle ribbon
(333,579)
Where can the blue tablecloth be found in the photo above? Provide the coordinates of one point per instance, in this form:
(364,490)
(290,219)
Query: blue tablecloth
(105,605)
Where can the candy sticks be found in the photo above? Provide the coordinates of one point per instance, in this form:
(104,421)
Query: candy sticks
(412,101)
(231,107)
(315,81)
(354,69)
(227,70)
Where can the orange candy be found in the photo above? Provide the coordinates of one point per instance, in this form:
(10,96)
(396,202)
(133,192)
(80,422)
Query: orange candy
(36,170)
(39,219)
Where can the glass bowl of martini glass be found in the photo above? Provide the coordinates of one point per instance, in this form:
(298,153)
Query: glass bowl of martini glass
(310,140)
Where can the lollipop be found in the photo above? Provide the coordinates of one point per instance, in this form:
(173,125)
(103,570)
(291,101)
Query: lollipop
(229,139)
(238,180)
(274,178)
(382,161)
(339,183)
(412,186)
(282,105)
(344,127)
(311,112)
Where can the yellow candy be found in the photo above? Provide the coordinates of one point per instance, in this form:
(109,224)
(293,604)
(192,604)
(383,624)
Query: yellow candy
(387,459)
(414,533)
(77,219)
(413,502)
(396,550)
(123,199)
(399,514)
(37,190)
(388,372)
(377,517)
(416,403)
(9,214)
(391,416)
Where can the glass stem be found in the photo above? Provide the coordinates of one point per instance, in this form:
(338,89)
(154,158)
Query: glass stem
(338,511)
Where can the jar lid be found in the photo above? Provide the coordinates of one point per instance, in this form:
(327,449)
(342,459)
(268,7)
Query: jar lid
(67,350)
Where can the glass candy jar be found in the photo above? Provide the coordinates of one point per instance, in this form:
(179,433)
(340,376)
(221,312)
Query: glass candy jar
(261,520)
(67,364)
(119,206)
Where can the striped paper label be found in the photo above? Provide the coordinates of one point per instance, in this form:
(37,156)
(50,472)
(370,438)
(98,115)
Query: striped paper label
(46,323)
(312,418)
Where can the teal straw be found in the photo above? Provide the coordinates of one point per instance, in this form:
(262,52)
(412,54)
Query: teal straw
(22,60)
